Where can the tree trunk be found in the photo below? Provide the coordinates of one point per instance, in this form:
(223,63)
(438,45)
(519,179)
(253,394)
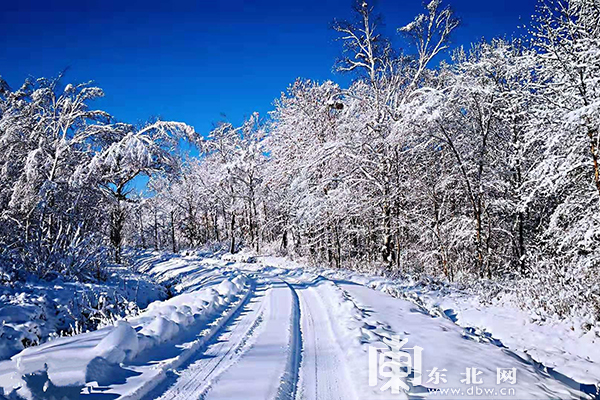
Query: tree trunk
(232,247)
(521,244)
(387,248)
(478,241)
(284,242)
(116,231)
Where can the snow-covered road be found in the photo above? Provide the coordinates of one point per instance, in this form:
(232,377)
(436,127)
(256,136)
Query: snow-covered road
(255,331)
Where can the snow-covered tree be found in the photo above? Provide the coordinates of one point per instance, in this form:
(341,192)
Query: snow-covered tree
(132,152)
(63,167)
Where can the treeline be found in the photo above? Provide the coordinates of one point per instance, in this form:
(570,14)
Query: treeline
(485,166)
(65,174)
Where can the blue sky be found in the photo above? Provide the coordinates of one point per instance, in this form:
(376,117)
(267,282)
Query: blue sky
(195,61)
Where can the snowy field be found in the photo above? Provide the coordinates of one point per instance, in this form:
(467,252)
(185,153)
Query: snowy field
(262,327)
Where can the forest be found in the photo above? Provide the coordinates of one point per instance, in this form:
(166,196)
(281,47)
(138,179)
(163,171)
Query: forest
(477,166)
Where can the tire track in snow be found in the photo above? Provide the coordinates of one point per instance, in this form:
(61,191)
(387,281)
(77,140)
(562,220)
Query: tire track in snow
(289,380)
(323,375)
(165,370)
(195,377)
(269,369)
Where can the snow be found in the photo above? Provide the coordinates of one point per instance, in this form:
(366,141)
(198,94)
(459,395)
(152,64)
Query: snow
(449,348)
(322,354)
(258,373)
(120,344)
(161,322)
(264,327)
(559,344)
(36,311)
(480,171)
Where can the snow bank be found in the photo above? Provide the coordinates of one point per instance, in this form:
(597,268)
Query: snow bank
(36,311)
(72,361)
(184,273)
(120,344)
